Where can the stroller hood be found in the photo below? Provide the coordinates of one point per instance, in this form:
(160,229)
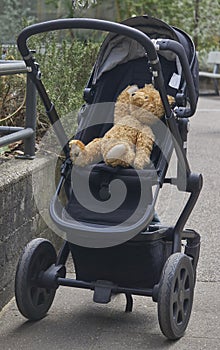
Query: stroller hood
(117,49)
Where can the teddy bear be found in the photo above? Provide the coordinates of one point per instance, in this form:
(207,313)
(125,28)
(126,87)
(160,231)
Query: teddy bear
(130,140)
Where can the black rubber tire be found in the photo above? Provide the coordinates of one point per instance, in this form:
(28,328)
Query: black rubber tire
(175,297)
(32,300)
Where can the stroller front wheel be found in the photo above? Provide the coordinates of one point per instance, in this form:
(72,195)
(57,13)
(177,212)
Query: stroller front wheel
(32,300)
(175,296)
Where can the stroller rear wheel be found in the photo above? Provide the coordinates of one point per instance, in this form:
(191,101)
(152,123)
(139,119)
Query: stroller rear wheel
(175,296)
(32,300)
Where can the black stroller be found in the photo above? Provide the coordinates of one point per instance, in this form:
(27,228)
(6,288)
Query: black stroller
(122,248)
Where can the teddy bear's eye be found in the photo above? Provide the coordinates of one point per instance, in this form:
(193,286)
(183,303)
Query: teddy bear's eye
(133,94)
(146,97)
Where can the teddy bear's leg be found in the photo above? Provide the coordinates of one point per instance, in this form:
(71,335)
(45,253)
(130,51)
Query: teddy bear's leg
(144,147)
(82,155)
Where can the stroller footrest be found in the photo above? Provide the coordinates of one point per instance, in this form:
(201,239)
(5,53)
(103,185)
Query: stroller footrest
(103,291)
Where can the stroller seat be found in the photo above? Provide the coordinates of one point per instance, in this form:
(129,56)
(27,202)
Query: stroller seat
(95,119)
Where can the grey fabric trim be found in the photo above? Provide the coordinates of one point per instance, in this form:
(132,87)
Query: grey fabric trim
(119,50)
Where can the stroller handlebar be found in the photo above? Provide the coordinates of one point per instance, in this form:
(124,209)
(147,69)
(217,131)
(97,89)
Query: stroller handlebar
(97,234)
(102,25)
(121,29)
(178,49)
(85,23)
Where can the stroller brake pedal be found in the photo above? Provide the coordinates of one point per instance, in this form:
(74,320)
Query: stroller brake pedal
(103,291)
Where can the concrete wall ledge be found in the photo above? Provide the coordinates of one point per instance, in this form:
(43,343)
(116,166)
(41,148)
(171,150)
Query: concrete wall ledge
(20,217)
(207,85)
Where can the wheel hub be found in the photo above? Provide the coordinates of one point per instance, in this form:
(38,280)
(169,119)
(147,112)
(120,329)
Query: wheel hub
(181,296)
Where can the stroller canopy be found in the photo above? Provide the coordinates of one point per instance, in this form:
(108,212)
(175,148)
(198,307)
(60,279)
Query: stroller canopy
(117,49)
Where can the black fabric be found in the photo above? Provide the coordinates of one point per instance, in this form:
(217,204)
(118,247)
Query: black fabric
(105,93)
(107,89)
(101,176)
(110,85)
(131,264)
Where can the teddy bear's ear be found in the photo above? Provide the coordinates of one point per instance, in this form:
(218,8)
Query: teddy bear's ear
(149,86)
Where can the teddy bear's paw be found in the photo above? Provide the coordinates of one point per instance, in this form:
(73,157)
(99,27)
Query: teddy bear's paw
(141,163)
(116,152)
(138,165)
(77,148)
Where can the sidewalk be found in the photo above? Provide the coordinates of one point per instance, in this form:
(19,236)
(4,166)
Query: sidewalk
(74,322)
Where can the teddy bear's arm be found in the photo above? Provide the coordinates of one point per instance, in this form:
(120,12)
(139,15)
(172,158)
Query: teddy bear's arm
(82,155)
(144,146)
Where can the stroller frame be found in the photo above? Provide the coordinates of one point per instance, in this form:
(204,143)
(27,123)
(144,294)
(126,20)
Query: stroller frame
(53,275)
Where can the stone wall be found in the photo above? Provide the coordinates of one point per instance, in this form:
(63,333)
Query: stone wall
(206,85)
(20,217)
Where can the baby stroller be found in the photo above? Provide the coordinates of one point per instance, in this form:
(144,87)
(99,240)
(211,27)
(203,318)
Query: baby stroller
(126,249)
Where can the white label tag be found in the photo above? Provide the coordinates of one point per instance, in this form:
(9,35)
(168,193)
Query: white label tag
(175,81)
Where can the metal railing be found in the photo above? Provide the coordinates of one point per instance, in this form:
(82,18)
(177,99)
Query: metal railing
(27,133)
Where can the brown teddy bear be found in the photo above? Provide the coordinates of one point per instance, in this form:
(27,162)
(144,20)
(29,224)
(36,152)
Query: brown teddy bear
(130,141)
